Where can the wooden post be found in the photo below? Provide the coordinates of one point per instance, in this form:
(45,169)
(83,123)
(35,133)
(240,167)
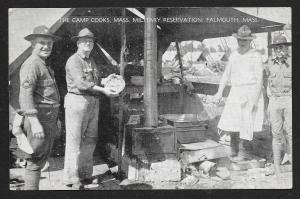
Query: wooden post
(179,59)
(181,90)
(150,71)
(159,63)
(121,102)
(269,42)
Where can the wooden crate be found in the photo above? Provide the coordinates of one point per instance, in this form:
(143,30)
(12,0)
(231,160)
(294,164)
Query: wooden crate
(191,134)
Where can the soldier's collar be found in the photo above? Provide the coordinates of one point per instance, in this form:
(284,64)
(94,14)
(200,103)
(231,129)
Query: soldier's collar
(39,58)
(82,55)
(280,60)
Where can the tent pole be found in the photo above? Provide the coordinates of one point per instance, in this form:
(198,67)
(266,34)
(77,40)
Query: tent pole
(181,88)
(159,63)
(121,102)
(150,71)
(269,42)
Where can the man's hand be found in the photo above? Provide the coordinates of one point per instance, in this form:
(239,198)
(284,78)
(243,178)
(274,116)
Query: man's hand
(109,92)
(37,129)
(217,97)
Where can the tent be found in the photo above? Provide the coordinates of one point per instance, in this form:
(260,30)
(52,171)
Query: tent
(192,56)
(216,56)
(109,34)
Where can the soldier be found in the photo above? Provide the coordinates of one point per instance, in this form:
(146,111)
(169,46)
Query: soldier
(279,71)
(39,103)
(81,111)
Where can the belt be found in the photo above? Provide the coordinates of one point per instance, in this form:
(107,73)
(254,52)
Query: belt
(84,94)
(47,105)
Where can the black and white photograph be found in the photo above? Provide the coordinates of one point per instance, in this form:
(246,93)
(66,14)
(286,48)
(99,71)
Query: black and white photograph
(150,98)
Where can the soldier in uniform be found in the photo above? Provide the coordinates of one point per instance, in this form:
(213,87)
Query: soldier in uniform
(279,71)
(82,111)
(39,103)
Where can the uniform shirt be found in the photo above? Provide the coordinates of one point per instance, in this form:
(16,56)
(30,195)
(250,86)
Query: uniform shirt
(82,74)
(37,84)
(279,77)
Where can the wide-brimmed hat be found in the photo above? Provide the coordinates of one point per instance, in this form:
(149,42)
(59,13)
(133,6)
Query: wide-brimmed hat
(84,33)
(279,40)
(244,32)
(41,31)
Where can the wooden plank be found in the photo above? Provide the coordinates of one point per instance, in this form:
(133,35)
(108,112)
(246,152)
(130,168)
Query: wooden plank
(121,101)
(188,157)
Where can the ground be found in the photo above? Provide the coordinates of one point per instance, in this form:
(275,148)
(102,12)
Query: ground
(247,179)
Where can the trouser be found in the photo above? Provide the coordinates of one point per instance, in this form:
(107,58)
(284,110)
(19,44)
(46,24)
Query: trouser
(280,110)
(41,147)
(239,146)
(81,117)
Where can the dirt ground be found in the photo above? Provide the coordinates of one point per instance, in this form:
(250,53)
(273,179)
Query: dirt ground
(248,179)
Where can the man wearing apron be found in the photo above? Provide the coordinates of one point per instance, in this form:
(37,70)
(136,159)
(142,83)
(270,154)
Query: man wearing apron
(244,109)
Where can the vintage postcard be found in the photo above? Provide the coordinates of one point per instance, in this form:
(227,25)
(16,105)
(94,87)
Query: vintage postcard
(150,98)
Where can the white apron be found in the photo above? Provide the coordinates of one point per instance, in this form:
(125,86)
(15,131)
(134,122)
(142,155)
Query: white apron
(237,116)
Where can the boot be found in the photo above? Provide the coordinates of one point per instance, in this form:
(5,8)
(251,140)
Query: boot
(290,148)
(276,156)
(234,143)
(243,153)
(32,179)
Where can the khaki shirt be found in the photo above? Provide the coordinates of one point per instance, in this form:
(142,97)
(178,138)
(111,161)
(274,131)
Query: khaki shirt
(37,84)
(279,77)
(82,74)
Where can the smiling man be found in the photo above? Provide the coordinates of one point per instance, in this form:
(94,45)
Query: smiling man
(39,103)
(81,111)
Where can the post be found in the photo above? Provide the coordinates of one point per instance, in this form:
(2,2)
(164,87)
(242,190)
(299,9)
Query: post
(159,63)
(181,89)
(121,103)
(269,42)
(150,71)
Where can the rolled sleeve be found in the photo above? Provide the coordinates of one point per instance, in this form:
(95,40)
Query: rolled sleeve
(74,71)
(29,73)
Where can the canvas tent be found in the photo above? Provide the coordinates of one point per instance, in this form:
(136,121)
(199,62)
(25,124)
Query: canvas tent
(109,34)
(192,56)
(216,56)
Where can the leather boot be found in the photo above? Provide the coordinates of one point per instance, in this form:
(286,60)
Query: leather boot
(276,156)
(234,143)
(32,179)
